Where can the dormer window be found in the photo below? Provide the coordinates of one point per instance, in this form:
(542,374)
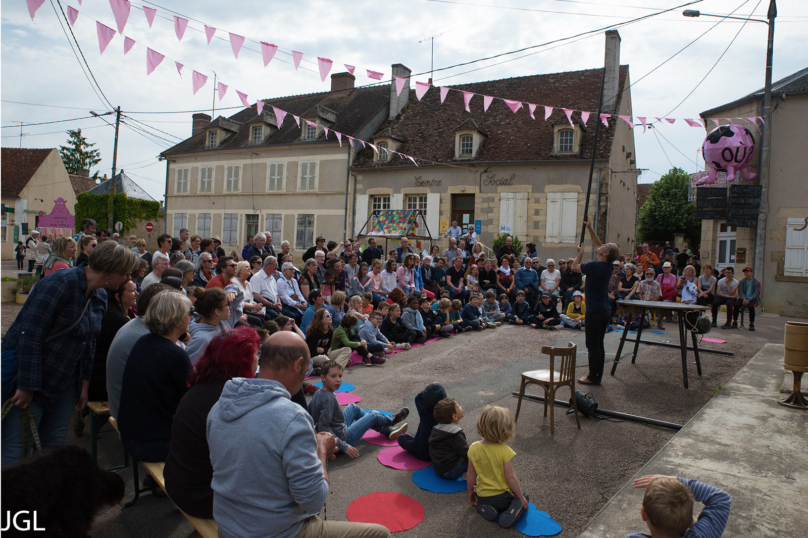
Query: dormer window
(466,145)
(310,132)
(565,139)
(257,134)
(383,152)
(213,139)
(467,142)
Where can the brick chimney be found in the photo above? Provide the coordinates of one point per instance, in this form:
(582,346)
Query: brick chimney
(84,172)
(342,81)
(200,122)
(398,102)
(611,62)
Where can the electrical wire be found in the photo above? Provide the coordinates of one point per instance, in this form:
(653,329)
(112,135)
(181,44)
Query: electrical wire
(48,106)
(49,132)
(155,128)
(48,122)
(674,147)
(663,149)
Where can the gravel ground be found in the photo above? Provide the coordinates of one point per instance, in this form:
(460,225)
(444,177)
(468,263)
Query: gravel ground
(570,475)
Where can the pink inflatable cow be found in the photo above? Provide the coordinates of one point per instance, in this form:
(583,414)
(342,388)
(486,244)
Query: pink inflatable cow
(728,148)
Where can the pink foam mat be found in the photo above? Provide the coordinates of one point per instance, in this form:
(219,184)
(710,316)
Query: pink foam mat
(345,398)
(376,438)
(398,458)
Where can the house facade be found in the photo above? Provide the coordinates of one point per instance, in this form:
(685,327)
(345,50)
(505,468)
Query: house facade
(241,175)
(784,274)
(503,171)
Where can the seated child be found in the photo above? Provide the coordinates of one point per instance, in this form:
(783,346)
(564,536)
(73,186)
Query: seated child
(350,424)
(505,307)
(443,318)
(345,337)
(497,492)
(429,317)
(576,311)
(521,310)
(491,307)
(412,320)
(355,309)
(448,448)
(471,314)
(367,303)
(546,314)
(395,331)
(444,294)
(457,307)
(667,508)
(384,309)
(425,403)
(371,334)
(337,307)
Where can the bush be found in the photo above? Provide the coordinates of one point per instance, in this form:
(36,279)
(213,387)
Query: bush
(25,284)
(500,242)
(127,210)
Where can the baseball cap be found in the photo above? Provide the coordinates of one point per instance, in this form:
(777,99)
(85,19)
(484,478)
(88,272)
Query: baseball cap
(577,294)
(545,294)
(616,262)
(747,268)
(34,232)
(667,264)
(669,251)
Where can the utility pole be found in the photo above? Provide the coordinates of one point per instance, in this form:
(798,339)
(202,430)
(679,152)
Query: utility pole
(432,61)
(114,170)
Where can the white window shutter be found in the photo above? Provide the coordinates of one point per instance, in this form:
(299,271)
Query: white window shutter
(569,217)
(506,210)
(520,215)
(433,213)
(312,175)
(552,229)
(304,171)
(361,213)
(796,248)
(397,201)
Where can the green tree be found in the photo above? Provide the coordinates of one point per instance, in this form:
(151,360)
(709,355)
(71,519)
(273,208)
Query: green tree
(667,211)
(78,153)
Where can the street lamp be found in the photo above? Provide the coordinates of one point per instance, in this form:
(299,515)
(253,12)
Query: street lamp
(765,149)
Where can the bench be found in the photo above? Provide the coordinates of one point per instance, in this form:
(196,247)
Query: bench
(97,409)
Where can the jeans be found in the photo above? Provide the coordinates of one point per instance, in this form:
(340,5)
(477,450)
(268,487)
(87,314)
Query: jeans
(31,265)
(407,442)
(595,330)
(570,322)
(377,298)
(457,471)
(359,421)
(462,294)
(500,502)
(474,324)
(718,301)
(51,422)
(314,527)
(750,308)
(19,263)
(148,451)
(292,312)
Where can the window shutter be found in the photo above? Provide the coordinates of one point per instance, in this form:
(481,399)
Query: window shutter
(520,215)
(506,210)
(397,201)
(552,230)
(569,216)
(304,172)
(279,170)
(361,212)
(796,248)
(433,213)
(312,175)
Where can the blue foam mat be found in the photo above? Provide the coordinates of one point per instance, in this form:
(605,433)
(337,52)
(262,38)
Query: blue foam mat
(537,523)
(345,387)
(429,480)
(386,413)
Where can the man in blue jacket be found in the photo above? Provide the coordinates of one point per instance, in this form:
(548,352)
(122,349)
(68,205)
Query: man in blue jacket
(278,486)
(527,280)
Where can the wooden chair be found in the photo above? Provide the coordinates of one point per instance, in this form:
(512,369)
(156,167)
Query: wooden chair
(551,379)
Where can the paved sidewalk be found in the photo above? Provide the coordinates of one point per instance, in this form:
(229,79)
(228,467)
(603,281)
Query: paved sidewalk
(741,441)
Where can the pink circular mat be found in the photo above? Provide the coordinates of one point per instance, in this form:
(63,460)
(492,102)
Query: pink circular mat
(398,458)
(395,511)
(376,438)
(345,398)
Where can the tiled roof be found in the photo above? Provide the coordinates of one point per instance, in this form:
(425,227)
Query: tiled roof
(123,183)
(18,167)
(353,108)
(794,84)
(429,126)
(81,183)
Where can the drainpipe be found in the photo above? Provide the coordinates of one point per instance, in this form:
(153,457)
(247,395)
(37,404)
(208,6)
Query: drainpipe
(353,206)
(347,188)
(597,212)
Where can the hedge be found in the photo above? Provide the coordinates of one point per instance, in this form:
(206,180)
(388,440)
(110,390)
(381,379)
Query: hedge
(126,210)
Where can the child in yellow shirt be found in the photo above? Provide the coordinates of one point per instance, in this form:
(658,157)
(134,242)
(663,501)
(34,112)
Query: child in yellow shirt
(576,312)
(497,489)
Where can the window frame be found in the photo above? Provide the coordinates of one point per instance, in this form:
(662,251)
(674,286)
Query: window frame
(228,186)
(309,135)
(571,141)
(421,202)
(259,130)
(182,224)
(213,139)
(384,151)
(311,184)
(280,179)
(470,139)
(229,236)
(200,229)
(274,218)
(207,183)
(308,230)
(185,181)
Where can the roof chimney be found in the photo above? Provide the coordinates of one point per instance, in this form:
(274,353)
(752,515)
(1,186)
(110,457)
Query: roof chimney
(342,81)
(84,172)
(611,62)
(200,122)
(398,102)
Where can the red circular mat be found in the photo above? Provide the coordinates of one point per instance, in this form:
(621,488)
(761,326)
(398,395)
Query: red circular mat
(395,511)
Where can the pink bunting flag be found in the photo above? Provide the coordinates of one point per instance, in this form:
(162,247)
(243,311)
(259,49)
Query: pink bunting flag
(513,105)
(413,160)
(339,137)
(72,15)
(444,91)
(374,75)
(297,120)
(209,32)
(153,59)
(120,9)
(605,119)
(362,142)
(399,84)
(149,12)
(487,100)
(350,140)
(467,99)
(531,108)
(374,148)
(420,89)
(279,115)
(259,107)
(548,111)
(236,41)
(296,57)
(326,131)
(243,97)
(268,52)
(105,35)
(670,120)
(350,69)
(199,80)
(642,120)
(627,119)
(128,43)
(33,5)
(179,27)
(311,123)
(761,120)
(584,116)
(325,66)
(568,113)
(692,123)
(179,67)
(717,121)
(222,89)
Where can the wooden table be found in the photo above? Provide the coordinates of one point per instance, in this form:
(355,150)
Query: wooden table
(680,308)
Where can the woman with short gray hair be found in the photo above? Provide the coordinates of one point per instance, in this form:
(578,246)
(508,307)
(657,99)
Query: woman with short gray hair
(187,269)
(64,249)
(155,379)
(53,337)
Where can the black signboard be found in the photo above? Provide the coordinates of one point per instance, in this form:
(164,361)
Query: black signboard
(24,228)
(744,205)
(711,203)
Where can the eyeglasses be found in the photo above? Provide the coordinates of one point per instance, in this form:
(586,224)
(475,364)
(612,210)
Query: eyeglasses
(231,264)
(326,315)
(207,261)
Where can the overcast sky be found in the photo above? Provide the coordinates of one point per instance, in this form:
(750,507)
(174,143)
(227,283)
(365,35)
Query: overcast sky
(39,67)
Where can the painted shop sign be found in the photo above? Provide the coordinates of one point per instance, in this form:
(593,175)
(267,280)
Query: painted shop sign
(420,182)
(492,179)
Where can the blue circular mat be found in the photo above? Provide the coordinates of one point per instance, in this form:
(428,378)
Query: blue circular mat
(537,523)
(429,480)
(345,387)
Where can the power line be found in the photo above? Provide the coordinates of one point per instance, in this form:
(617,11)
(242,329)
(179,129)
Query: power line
(663,149)
(154,128)
(674,147)
(49,122)
(50,132)
(48,106)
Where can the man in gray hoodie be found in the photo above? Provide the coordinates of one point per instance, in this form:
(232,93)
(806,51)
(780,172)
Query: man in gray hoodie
(277,486)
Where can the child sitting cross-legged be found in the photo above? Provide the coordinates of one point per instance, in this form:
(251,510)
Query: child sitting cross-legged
(448,448)
(521,310)
(443,318)
(345,337)
(412,320)
(505,307)
(457,308)
(576,312)
(471,314)
(497,491)
(371,334)
(667,508)
(491,308)
(393,328)
(546,314)
(355,309)
(350,424)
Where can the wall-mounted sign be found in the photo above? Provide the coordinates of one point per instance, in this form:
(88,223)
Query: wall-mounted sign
(711,203)
(492,179)
(744,205)
(421,182)
(444,226)
(478,226)
(505,228)
(59,217)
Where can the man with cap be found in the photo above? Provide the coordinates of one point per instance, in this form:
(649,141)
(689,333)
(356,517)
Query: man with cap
(546,314)
(30,249)
(319,244)
(748,296)
(218,251)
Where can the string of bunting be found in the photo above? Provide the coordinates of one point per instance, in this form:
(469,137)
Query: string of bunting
(121,9)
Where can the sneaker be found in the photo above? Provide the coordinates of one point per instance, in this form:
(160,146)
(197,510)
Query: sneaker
(734,324)
(715,324)
(489,513)
(400,415)
(726,326)
(621,327)
(660,326)
(550,328)
(509,516)
(367,361)
(404,346)
(310,389)
(392,432)
(377,360)
(752,327)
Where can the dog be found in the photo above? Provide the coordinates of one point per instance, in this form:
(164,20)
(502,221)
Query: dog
(62,490)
